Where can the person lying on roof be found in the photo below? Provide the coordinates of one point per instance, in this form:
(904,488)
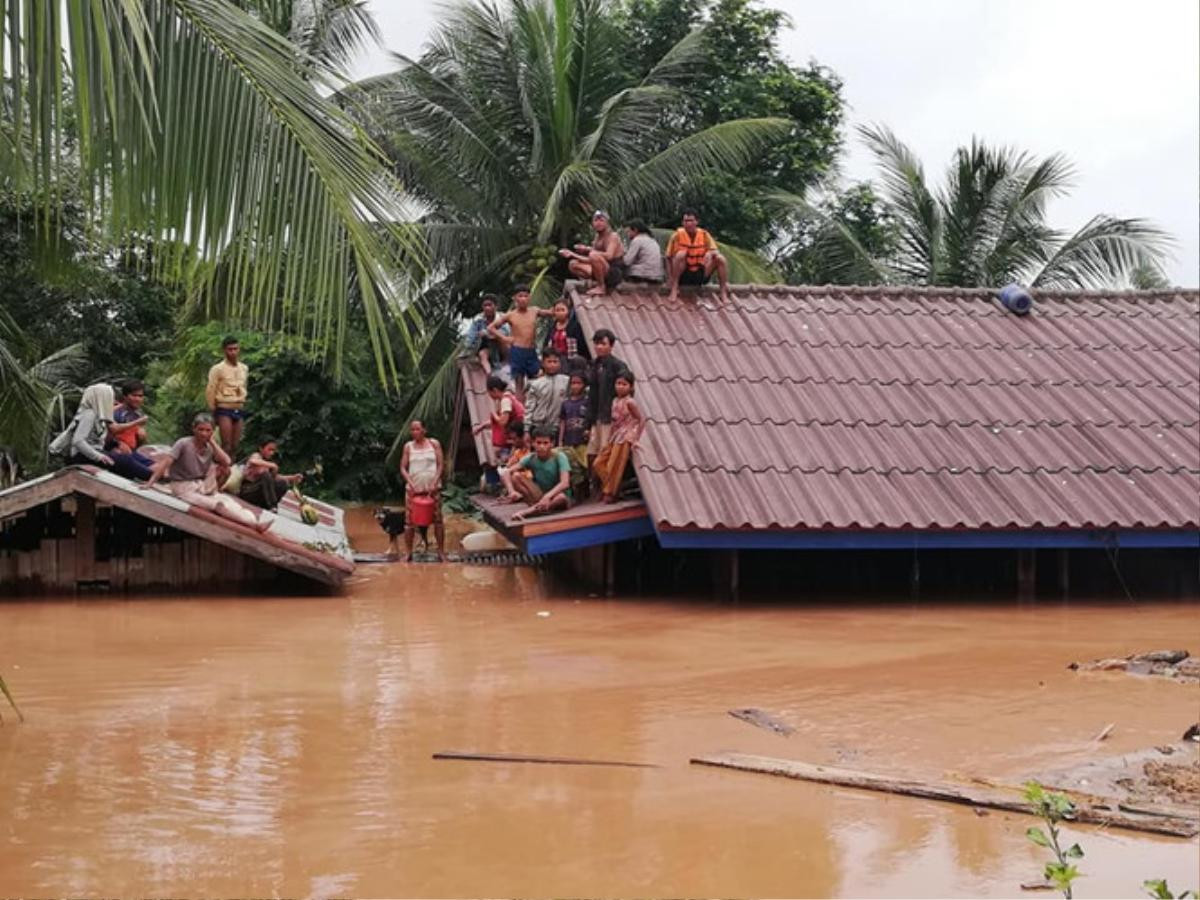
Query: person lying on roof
(190,467)
(603,262)
(692,257)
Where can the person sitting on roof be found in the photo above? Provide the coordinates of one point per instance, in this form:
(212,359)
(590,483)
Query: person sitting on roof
(692,257)
(83,442)
(491,350)
(549,488)
(262,485)
(127,431)
(603,262)
(190,467)
(643,258)
(627,426)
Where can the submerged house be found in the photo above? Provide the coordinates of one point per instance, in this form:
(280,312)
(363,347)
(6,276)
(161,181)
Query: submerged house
(909,418)
(83,528)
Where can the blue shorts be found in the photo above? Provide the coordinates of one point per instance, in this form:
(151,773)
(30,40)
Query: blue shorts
(524,361)
(236,414)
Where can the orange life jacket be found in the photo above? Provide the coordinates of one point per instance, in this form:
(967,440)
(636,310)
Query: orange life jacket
(695,247)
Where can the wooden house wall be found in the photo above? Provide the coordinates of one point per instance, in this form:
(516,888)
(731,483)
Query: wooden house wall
(75,544)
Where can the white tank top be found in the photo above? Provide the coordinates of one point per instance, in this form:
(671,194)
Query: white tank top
(422,467)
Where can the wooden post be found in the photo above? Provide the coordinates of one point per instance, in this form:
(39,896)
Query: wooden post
(610,569)
(914,576)
(1026,574)
(1064,572)
(735,558)
(85,538)
(456,425)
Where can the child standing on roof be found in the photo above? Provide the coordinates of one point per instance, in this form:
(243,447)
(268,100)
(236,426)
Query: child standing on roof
(627,426)
(573,433)
(545,394)
(522,356)
(506,410)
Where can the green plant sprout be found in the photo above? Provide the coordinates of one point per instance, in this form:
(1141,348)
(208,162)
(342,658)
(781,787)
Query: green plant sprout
(1157,888)
(1053,809)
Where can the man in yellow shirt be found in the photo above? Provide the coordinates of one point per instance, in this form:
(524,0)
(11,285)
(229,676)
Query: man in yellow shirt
(692,257)
(226,395)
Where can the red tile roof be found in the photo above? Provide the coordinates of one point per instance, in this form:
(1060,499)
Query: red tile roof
(902,408)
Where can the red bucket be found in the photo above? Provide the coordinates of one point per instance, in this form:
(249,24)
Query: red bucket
(420,510)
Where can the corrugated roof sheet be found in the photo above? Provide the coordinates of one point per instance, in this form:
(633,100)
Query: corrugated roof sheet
(831,407)
(479,406)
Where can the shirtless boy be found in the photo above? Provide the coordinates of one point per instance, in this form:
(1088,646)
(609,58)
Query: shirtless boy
(603,261)
(522,355)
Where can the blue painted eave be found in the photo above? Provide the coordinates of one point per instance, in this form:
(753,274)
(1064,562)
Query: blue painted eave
(1015,539)
(624,530)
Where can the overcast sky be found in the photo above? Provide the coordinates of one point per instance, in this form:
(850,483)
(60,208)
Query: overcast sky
(1114,85)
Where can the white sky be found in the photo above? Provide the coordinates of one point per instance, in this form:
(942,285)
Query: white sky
(1113,85)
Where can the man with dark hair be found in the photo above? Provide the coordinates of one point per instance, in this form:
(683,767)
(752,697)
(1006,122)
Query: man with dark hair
(643,258)
(549,488)
(602,376)
(522,355)
(226,395)
(692,257)
(490,350)
(544,395)
(602,262)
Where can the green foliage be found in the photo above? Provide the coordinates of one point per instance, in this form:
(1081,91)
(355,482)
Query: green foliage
(343,426)
(855,214)
(1054,808)
(740,73)
(986,225)
(194,128)
(1157,888)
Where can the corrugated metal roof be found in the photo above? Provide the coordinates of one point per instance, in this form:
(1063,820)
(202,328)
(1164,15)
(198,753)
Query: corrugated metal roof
(479,406)
(843,407)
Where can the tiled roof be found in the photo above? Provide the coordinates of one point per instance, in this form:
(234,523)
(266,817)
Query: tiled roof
(479,406)
(902,408)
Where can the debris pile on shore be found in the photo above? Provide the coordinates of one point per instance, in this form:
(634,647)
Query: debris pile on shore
(1175,664)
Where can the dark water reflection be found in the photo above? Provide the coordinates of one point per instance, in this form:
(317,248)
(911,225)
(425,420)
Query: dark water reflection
(242,746)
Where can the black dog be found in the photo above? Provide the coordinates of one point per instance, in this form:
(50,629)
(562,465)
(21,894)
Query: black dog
(393,521)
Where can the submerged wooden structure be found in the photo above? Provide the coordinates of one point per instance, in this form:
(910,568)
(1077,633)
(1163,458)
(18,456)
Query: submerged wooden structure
(83,528)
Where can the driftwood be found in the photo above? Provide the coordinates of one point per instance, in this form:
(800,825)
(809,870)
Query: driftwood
(548,760)
(763,720)
(1088,813)
(1105,732)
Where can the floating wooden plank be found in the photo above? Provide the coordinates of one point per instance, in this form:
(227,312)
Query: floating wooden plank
(970,795)
(763,719)
(546,760)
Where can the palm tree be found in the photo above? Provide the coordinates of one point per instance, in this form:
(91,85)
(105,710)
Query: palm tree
(516,123)
(198,129)
(986,226)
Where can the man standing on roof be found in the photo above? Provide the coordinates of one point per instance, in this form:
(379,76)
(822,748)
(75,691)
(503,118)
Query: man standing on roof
(602,378)
(226,395)
(522,355)
(603,261)
(692,257)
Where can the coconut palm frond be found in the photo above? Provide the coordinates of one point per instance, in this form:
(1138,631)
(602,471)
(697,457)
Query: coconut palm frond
(654,186)
(1104,251)
(202,129)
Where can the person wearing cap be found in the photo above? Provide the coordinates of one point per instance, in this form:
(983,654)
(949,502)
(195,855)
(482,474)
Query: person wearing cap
(603,261)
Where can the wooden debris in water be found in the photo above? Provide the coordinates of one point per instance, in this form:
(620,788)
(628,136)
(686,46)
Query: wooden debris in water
(547,760)
(1178,665)
(763,719)
(1036,886)
(1105,732)
(1088,813)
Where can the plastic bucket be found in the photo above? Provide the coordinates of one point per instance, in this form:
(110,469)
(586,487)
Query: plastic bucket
(420,510)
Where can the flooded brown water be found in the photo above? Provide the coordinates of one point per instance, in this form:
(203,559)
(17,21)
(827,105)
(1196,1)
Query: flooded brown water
(263,747)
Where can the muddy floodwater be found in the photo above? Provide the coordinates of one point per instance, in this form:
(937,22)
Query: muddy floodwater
(225,746)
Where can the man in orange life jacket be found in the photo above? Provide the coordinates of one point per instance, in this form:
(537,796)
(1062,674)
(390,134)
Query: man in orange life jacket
(693,257)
